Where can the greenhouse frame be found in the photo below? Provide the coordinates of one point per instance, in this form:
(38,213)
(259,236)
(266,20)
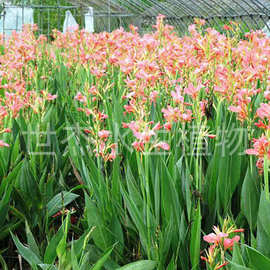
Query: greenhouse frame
(112,14)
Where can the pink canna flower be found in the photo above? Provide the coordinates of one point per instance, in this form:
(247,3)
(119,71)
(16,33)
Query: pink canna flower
(192,90)
(93,90)
(162,145)
(87,111)
(177,97)
(139,146)
(104,134)
(80,97)
(157,126)
(261,147)
(153,96)
(227,27)
(264,111)
(214,238)
(228,243)
(186,116)
(88,131)
(112,155)
(260,124)
(51,97)
(102,116)
(7,130)
(266,94)
(259,165)
(211,136)
(171,114)
(144,136)
(3,144)
(199,22)
(129,108)
(235,109)
(168,126)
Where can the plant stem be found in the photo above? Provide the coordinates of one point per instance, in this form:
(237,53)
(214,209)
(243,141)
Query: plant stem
(148,204)
(266,183)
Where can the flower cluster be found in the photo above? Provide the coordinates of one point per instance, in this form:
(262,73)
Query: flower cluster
(261,146)
(18,74)
(98,134)
(180,78)
(220,242)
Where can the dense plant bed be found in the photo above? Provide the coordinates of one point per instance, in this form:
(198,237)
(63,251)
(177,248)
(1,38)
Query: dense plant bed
(120,149)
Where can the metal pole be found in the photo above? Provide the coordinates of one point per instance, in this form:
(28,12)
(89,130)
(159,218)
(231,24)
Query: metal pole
(109,14)
(22,13)
(58,15)
(48,29)
(4,17)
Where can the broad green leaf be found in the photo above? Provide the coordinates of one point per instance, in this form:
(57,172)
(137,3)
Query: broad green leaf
(31,240)
(102,260)
(5,198)
(140,265)
(257,260)
(237,257)
(74,260)
(235,266)
(250,198)
(171,265)
(59,201)
(195,239)
(263,228)
(50,252)
(3,263)
(137,217)
(26,252)
(101,234)
(47,266)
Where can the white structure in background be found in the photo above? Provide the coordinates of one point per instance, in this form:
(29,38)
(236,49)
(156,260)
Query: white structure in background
(70,23)
(13,18)
(89,20)
(266,30)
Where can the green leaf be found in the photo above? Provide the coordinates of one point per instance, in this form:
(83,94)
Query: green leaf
(171,265)
(31,240)
(50,252)
(47,266)
(250,197)
(74,260)
(257,260)
(195,238)
(103,259)
(237,257)
(61,247)
(59,201)
(5,198)
(101,235)
(137,217)
(235,266)
(26,252)
(3,263)
(140,265)
(263,228)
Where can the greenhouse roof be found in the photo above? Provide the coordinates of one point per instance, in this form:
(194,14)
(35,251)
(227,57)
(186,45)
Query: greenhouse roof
(180,8)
